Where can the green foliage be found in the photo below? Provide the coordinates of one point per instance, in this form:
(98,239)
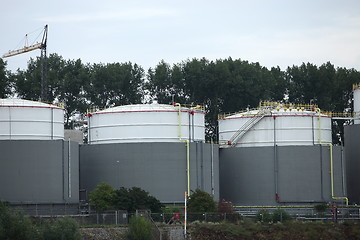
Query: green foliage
(201,202)
(102,197)
(280,215)
(5,80)
(140,228)
(15,225)
(135,198)
(63,228)
(264,215)
(320,208)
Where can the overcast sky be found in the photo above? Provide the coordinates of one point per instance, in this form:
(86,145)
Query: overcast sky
(272,32)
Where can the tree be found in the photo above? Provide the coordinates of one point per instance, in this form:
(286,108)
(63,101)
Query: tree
(5,80)
(200,202)
(115,84)
(102,197)
(135,198)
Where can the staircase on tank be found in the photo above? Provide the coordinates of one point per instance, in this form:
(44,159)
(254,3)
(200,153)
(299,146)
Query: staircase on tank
(248,125)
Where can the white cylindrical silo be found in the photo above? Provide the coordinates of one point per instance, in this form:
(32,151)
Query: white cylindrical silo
(29,120)
(356,92)
(147,123)
(280,125)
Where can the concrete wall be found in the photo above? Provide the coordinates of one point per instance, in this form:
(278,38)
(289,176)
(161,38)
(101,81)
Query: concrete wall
(352,156)
(38,171)
(300,174)
(159,168)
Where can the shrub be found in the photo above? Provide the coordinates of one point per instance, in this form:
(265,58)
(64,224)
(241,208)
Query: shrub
(263,215)
(15,225)
(139,229)
(63,228)
(280,215)
(320,208)
(201,202)
(102,197)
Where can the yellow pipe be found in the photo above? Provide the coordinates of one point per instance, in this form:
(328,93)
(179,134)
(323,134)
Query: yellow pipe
(331,160)
(187,143)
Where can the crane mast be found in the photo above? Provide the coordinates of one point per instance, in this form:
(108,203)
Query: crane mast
(42,46)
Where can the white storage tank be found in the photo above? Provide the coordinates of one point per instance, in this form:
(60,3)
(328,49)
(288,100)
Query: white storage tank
(275,123)
(356,92)
(147,123)
(29,120)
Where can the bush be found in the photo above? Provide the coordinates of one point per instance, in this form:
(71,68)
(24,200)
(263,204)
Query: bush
(139,229)
(201,202)
(264,216)
(102,197)
(15,225)
(63,228)
(320,208)
(280,215)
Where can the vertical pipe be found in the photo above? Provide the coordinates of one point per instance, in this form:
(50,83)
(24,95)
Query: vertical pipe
(187,143)
(212,168)
(69,169)
(331,161)
(189,119)
(63,170)
(202,165)
(276,172)
(312,127)
(52,123)
(185,213)
(10,130)
(321,174)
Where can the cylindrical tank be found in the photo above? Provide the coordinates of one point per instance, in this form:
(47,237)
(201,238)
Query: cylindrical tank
(356,92)
(270,125)
(147,123)
(29,120)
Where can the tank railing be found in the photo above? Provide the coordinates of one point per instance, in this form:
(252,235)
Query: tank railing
(338,114)
(243,112)
(287,107)
(290,106)
(26,104)
(356,86)
(188,106)
(192,106)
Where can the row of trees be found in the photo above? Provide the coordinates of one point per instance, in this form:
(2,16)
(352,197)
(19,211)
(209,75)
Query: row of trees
(105,197)
(224,85)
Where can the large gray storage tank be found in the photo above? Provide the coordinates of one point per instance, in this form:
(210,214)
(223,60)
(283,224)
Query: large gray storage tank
(150,146)
(279,154)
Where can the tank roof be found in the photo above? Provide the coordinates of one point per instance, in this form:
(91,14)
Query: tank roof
(16,102)
(153,107)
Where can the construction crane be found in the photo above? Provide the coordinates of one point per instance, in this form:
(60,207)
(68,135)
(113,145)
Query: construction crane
(42,47)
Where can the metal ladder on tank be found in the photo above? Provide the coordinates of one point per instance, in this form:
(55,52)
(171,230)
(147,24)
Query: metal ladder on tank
(247,126)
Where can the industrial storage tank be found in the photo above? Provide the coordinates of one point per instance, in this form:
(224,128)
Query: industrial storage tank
(29,120)
(275,124)
(147,123)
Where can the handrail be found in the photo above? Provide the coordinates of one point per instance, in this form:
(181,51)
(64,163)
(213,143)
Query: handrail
(287,107)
